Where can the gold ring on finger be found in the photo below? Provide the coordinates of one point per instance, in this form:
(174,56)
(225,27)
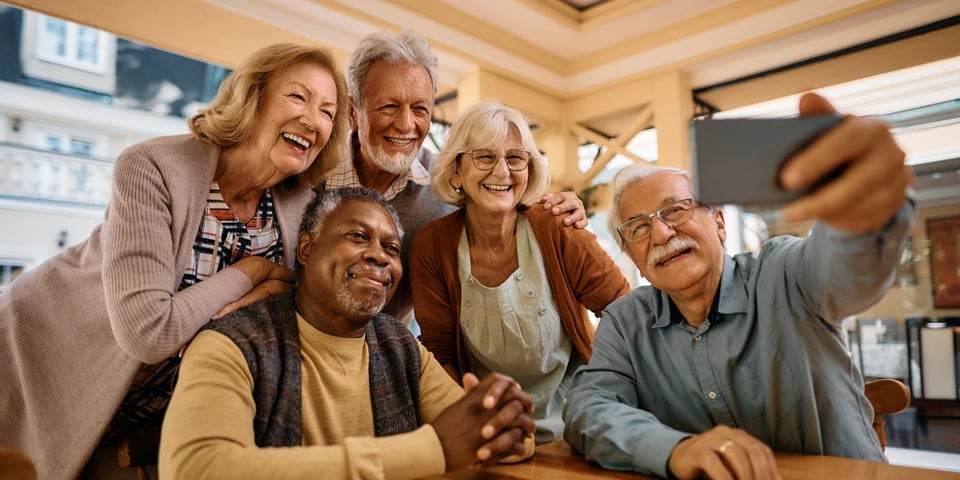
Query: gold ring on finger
(724,446)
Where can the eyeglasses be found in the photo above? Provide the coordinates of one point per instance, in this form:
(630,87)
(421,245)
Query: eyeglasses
(639,227)
(483,159)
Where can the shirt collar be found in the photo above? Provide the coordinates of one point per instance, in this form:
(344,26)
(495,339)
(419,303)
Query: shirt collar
(345,175)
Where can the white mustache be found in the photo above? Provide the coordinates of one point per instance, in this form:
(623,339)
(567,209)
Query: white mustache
(675,245)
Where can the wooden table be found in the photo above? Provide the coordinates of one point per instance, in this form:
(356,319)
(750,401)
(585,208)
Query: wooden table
(554,461)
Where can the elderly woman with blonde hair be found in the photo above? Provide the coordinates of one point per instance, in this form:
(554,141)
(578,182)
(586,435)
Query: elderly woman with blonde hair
(197,226)
(498,286)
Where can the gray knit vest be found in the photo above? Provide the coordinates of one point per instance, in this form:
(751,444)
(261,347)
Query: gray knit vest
(266,332)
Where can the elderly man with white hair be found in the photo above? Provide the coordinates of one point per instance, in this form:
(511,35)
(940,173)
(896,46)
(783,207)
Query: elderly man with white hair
(724,359)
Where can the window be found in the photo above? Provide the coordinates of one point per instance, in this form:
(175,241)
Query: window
(67,143)
(51,142)
(70,44)
(81,146)
(9,272)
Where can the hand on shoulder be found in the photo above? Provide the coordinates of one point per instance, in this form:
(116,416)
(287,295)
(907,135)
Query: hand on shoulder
(567,204)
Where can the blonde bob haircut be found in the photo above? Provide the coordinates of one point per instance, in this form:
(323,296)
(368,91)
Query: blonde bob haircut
(229,118)
(485,125)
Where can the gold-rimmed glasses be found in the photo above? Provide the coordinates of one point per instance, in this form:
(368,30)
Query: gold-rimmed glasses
(639,227)
(486,159)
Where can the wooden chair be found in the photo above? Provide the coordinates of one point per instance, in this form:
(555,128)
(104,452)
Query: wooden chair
(888,396)
(15,465)
(139,450)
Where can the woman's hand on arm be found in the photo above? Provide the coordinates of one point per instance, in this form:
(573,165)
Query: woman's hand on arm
(268,279)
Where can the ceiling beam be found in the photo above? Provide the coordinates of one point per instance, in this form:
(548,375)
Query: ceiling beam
(485,30)
(909,52)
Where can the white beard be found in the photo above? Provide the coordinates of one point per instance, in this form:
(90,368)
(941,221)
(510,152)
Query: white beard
(396,164)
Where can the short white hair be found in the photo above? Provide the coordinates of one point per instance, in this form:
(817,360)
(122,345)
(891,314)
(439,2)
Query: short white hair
(628,176)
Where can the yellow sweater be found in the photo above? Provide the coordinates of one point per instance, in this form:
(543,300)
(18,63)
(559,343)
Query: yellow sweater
(208,428)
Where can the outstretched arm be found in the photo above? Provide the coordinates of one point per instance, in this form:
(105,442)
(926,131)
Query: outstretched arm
(874,181)
(863,215)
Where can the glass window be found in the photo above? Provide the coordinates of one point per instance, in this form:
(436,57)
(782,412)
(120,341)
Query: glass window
(8,273)
(70,44)
(87,44)
(82,146)
(53,39)
(65,141)
(52,142)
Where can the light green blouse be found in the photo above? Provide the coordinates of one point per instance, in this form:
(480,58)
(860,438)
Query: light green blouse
(514,328)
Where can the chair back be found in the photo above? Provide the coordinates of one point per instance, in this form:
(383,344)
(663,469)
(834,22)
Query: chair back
(888,396)
(139,450)
(15,465)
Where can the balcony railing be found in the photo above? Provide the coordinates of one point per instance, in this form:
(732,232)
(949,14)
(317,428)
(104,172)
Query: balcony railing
(30,174)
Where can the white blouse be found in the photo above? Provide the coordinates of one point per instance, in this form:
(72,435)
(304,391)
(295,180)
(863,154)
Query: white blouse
(514,328)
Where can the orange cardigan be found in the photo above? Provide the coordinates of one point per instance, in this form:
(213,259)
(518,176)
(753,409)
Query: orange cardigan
(579,272)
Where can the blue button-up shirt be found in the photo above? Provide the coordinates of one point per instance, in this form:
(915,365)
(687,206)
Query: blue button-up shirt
(770,358)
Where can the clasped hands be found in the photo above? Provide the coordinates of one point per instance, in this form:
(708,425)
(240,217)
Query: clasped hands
(492,421)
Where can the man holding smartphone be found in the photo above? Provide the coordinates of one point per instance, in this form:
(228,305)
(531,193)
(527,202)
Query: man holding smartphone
(724,359)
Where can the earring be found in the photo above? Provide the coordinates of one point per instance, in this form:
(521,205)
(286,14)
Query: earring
(458,190)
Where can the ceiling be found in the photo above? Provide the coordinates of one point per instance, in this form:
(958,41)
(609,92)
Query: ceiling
(583,52)
(566,51)
(601,54)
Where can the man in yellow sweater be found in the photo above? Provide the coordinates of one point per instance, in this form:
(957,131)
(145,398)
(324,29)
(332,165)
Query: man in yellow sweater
(318,383)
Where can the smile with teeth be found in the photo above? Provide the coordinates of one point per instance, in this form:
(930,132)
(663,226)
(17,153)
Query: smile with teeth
(497,188)
(400,142)
(297,140)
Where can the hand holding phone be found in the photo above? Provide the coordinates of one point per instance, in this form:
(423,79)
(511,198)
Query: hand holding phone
(738,160)
(847,172)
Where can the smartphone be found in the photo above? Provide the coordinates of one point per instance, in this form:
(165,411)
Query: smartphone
(738,160)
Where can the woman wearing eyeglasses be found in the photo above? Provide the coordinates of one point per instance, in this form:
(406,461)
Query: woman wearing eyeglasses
(498,286)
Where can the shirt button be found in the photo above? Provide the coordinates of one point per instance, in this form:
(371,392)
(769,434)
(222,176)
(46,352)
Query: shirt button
(519,276)
(712,395)
(530,293)
(543,310)
(468,303)
(470,282)
(697,338)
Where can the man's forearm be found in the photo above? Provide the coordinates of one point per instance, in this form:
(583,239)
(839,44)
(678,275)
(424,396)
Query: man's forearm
(615,435)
